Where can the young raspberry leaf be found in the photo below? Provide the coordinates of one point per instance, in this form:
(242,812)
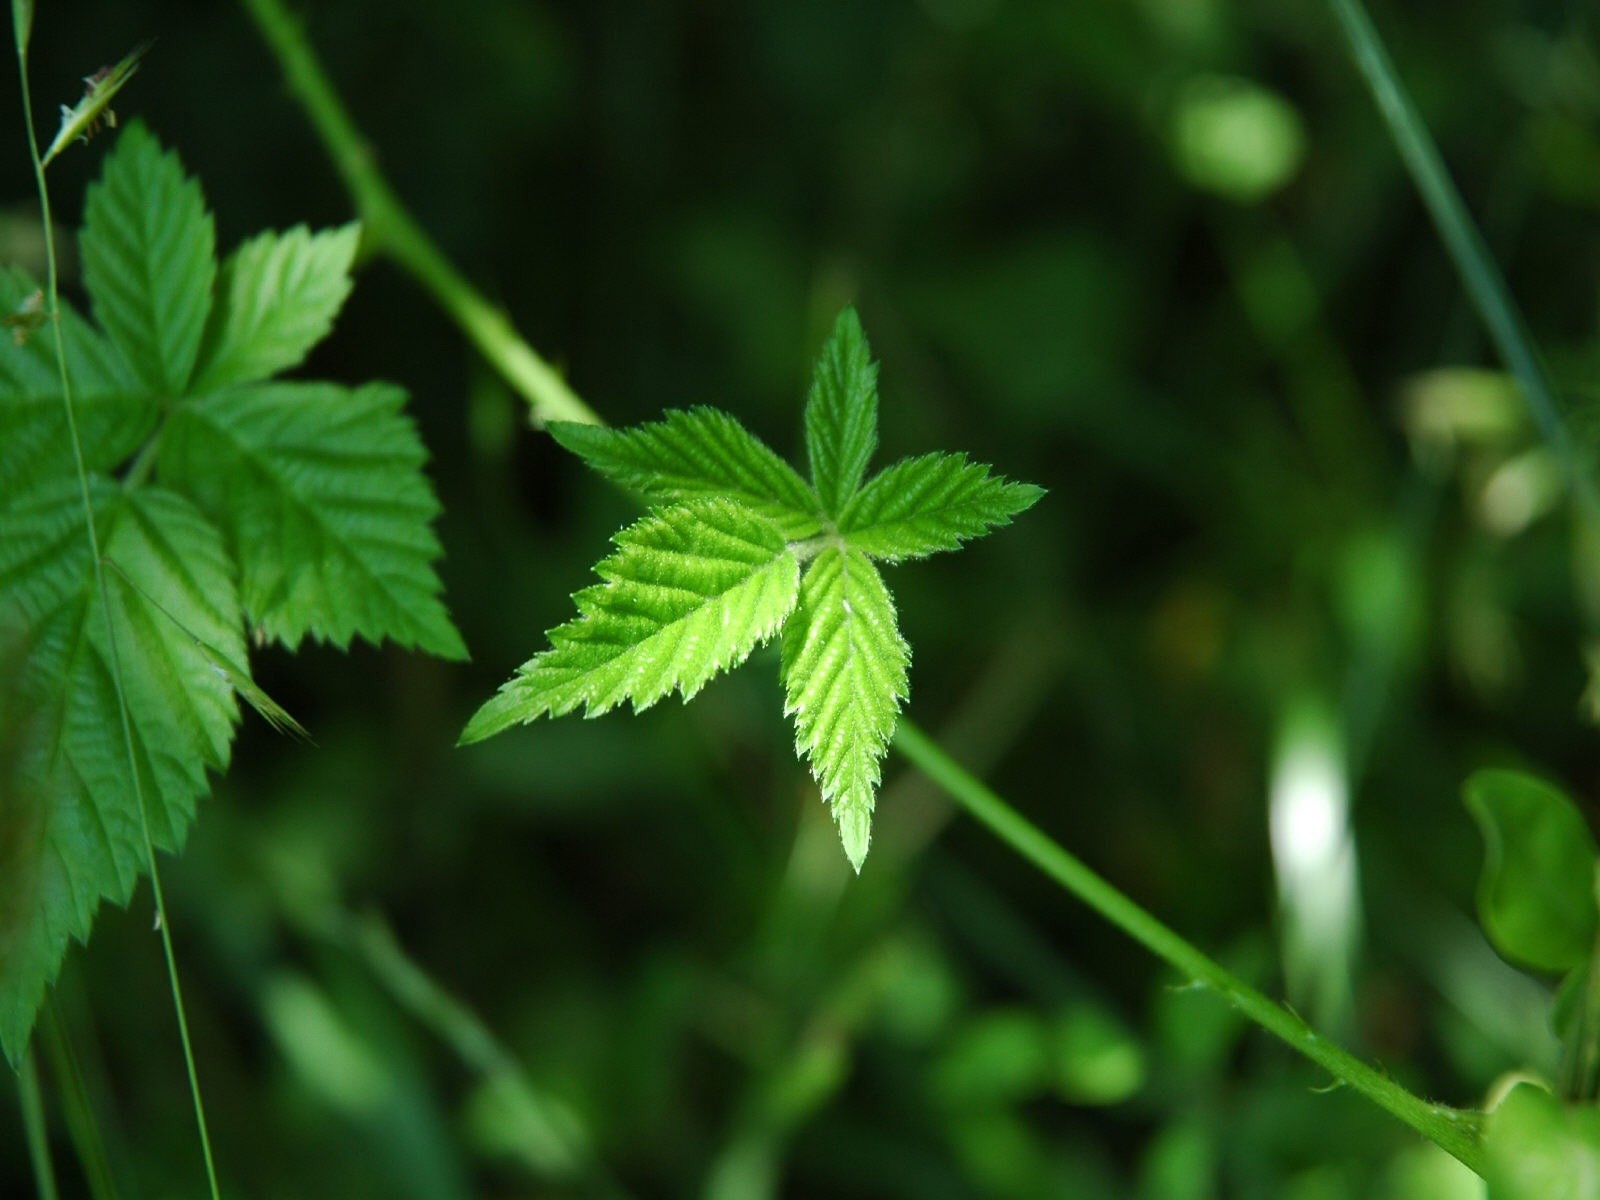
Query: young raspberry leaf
(91,843)
(842,414)
(321,494)
(149,260)
(920,506)
(277,296)
(845,671)
(690,591)
(692,454)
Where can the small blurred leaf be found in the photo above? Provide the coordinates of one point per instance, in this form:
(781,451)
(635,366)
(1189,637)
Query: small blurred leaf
(1099,1061)
(1426,1170)
(1540,1150)
(1536,897)
(1236,138)
(1002,1055)
(1180,1164)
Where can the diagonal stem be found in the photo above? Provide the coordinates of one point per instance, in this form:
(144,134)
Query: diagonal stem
(391,230)
(1450,1129)
(1485,284)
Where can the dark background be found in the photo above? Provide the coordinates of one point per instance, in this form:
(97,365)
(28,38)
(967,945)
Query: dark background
(1156,255)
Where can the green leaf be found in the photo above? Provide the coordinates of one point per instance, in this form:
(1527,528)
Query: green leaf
(845,671)
(842,414)
(690,591)
(277,297)
(321,494)
(920,506)
(114,414)
(149,260)
(693,454)
(170,567)
(1539,1149)
(1536,898)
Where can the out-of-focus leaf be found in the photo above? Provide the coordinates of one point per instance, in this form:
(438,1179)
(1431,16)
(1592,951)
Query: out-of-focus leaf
(1002,1055)
(1098,1059)
(1180,1163)
(1539,1149)
(1236,138)
(1536,896)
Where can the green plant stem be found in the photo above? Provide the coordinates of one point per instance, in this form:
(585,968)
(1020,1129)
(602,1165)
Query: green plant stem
(392,231)
(53,292)
(44,1171)
(1485,284)
(371,939)
(78,1109)
(1452,1130)
(1448,1128)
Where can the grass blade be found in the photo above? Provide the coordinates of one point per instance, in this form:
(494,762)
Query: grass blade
(1486,286)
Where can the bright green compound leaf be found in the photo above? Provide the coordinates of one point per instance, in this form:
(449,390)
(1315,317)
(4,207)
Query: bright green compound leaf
(303,504)
(934,502)
(1539,1149)
(1098,1058)
(845,665)
(149,260)
(182,711)
(690,592)
(842,414)
(277,296)
(1536,898)
(692,454)
(845,669)
(321,494)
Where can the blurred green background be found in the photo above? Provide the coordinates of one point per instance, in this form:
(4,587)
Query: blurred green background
(1301,568)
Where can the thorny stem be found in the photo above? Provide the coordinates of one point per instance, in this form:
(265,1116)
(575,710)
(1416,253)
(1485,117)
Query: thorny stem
(391,230)
(54,308)
(394,231)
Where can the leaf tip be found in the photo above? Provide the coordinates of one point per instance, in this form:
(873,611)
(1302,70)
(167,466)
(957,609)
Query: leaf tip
(855,831)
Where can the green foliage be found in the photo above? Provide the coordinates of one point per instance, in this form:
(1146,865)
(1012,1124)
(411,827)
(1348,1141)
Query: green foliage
(842,414)
(715,570)
(931,503)
(695,454)
(149,259)
(845,669)
(1539,1149)
(321,490)
(280,293)
(300,509)
(691,590)
(1536,898)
